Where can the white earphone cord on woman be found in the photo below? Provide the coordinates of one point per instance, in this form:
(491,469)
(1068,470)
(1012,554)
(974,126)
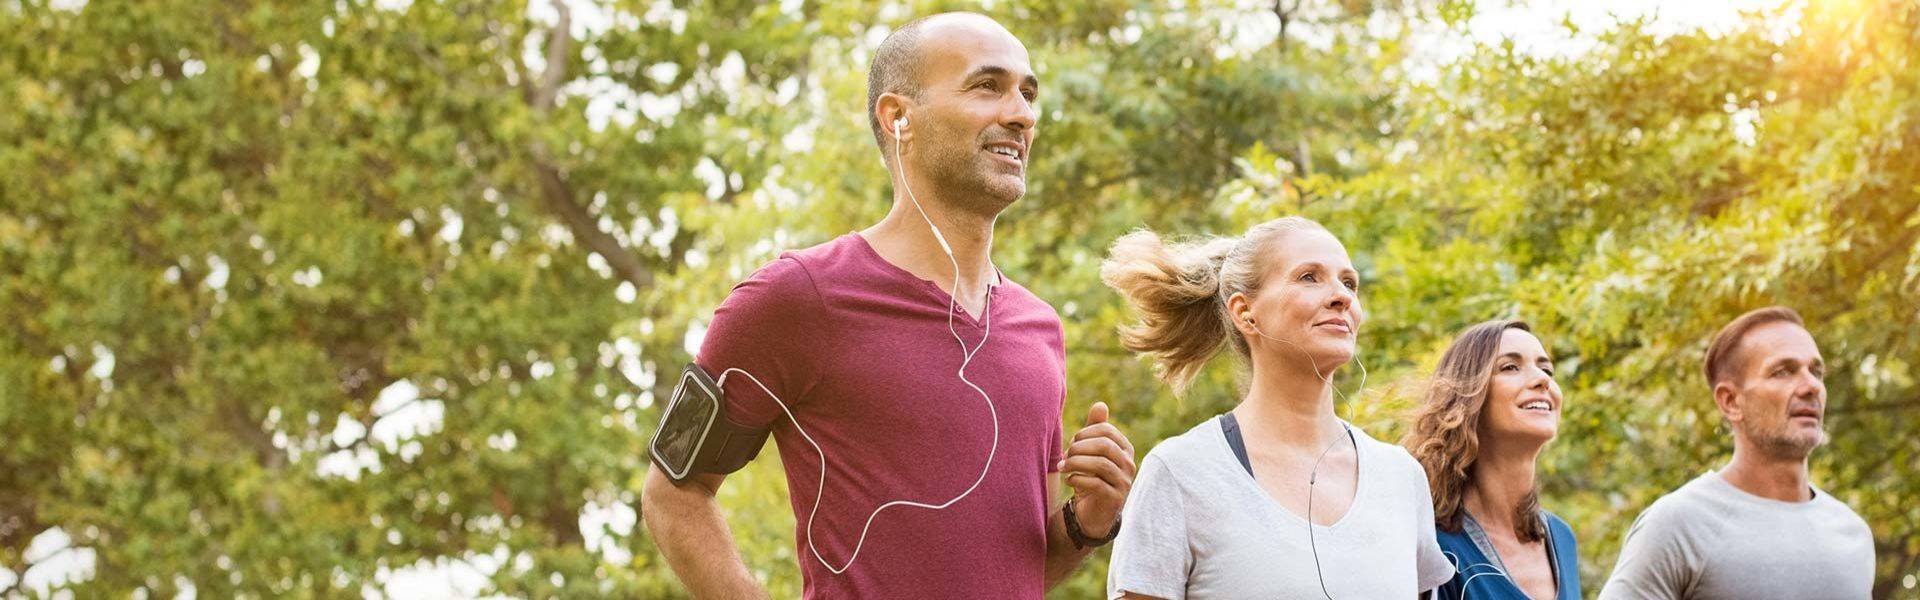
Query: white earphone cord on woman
(1313,473)
(1467,585)
(966,358)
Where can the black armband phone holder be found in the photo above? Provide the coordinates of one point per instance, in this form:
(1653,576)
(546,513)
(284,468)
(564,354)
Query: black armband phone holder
(695,435)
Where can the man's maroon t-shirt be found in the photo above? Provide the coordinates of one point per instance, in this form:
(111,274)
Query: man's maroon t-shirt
(860,351)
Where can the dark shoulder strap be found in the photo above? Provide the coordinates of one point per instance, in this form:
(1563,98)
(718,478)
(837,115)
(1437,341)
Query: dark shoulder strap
(1231,427)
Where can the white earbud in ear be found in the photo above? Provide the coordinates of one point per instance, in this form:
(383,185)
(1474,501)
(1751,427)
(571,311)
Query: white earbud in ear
(899,124)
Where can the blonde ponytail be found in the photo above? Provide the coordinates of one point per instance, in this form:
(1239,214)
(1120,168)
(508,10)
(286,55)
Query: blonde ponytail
(1176,291)
(1180,292)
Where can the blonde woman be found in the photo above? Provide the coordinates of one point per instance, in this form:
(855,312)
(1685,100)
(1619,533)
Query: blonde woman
(1278,498)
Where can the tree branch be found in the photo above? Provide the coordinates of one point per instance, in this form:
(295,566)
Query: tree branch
(1854,409)
(559,45)
(555,195)
(559,200)
(1286,17)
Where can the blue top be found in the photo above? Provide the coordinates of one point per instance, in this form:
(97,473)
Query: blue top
(1479,574)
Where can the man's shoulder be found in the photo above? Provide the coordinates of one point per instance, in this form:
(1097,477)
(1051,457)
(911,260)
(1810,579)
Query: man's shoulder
(782,293)
(841,248)
(1694,496)
(820,258)
(795,271)
(1842,512)
(1695,509)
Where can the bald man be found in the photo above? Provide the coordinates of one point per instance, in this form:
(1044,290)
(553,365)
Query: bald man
(913,390)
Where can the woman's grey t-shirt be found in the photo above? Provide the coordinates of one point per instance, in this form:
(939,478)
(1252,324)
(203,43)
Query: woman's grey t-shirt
(1710,540)
(1197,526)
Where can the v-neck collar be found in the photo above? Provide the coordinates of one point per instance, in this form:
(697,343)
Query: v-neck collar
(1485,545)
(932,289)
(1272,504)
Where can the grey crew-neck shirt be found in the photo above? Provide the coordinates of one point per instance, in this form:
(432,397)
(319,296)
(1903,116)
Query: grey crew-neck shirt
(1198,526)
(1712,540)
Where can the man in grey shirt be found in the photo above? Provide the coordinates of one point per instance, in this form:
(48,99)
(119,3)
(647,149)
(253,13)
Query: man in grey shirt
(1757,529)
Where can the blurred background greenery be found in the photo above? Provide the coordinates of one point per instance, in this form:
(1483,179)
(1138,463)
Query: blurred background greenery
(315,299)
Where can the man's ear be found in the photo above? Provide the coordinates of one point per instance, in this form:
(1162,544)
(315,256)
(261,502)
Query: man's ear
(891,110)
(1726,395)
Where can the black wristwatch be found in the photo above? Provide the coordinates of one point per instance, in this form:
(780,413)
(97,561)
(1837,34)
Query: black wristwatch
(1080,539)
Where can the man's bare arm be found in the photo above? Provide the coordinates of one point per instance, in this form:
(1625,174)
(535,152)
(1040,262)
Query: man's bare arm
(687,526)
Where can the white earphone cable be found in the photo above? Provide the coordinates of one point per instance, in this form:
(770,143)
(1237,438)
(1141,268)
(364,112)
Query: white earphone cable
(1313,473)
(967,355)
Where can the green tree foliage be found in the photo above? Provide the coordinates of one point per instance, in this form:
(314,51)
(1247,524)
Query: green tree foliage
(244,249)
(1631,201)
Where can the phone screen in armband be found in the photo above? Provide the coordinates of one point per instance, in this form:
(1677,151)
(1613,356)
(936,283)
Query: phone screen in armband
(690,415)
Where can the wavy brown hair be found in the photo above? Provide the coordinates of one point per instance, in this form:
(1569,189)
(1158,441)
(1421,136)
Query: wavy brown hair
(1446,428)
